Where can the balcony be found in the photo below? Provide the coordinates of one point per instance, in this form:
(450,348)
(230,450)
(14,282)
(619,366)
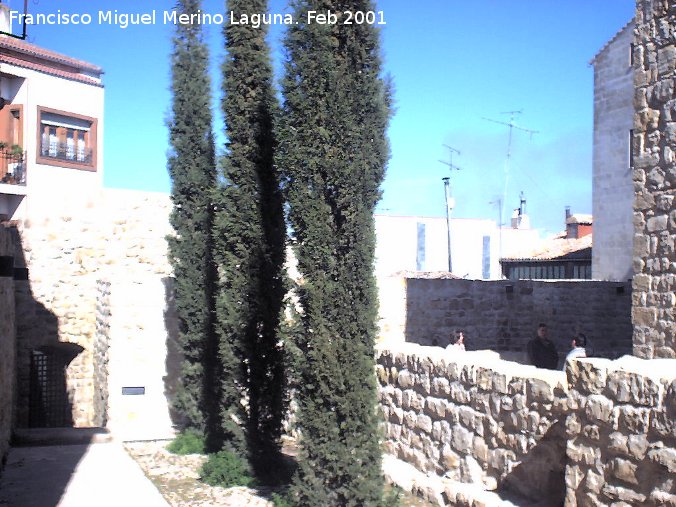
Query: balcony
(12,165)
(66,152)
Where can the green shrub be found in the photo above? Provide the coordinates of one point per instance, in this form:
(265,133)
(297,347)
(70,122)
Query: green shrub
(226,469)
(281,500)
(188,442)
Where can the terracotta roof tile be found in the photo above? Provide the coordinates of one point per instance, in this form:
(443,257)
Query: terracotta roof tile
(554,248)
(36,51)
(49,70)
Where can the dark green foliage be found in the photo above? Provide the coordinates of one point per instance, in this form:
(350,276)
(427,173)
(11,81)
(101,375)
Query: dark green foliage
(187,442)
(249,236)
(192,169)
(333,152)
(281,500)
(226,469)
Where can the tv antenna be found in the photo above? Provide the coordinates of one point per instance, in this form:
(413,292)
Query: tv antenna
(450,202)
(511,126)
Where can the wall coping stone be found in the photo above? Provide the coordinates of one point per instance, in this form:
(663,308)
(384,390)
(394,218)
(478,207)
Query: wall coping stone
(477,358)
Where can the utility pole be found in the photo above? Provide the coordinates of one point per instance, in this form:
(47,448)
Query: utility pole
(450,202)
(511,126)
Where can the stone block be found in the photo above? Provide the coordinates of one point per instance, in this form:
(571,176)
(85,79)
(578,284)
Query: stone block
(459,394)
(580,453)
(598,408)
(629,387)
(618,444)
(405,380)
(539,391)
(480,449)
(441,387)
(624,494)
(631,419)
(666,457)
(461,439)
(658,223)
(638,446)
(644,316)
(587,376)
(500,383)
(594,481)
(623,470)
(424,423)
(449,459)
(435,407)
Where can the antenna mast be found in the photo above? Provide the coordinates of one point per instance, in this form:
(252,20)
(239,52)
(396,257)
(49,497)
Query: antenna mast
(450,202)
(511,126)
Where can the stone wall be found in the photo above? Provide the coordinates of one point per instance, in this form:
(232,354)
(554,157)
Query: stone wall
(7,346)
(654,163)
(612,183)
(503,315)
(140,370)
(122,237)
(473,418)
(603,433)
(622,432)
(101,354)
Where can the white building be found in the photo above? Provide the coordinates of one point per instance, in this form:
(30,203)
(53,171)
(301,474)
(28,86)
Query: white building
(612,186)
(51,130)
(410,243)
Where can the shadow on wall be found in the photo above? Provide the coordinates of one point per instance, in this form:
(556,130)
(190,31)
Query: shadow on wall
(543,461)
(174,356)
(503,315)
(43,397)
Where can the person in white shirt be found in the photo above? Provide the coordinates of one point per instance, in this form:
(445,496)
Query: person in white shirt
(457,342)
(578,345)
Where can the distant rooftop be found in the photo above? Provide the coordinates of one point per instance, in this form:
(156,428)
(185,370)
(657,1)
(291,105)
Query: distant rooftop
(558,247)
(579,218)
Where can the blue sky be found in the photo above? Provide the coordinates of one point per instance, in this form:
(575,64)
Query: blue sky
(453,63)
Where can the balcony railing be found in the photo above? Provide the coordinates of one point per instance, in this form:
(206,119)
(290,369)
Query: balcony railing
(66,152)
(12,165)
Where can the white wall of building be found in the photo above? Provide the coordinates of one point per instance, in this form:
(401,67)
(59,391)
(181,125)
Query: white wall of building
(400,248)
(49,188)
(612,188)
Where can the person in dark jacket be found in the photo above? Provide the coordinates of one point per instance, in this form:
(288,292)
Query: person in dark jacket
(541,351)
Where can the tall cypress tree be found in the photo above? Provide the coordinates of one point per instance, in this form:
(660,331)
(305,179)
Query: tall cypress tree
(250,235)
(333,152)
(193,173)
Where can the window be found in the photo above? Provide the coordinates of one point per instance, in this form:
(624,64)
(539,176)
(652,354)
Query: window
(66,140)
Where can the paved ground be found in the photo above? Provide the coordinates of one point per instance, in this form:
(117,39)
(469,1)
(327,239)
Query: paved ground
(74,474)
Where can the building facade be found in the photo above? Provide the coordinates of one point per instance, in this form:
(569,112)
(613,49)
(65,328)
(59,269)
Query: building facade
(612,185)
(51,130)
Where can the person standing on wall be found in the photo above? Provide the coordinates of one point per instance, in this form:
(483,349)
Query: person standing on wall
(578,349)
(541,351)
(457,342)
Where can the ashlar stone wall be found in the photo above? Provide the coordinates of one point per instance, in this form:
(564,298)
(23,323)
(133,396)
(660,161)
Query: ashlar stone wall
(473,418)
(654,163)
(621,431)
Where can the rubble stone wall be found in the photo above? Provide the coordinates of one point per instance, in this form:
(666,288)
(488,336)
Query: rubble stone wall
(503,315)
(654,164)
(602,433)
(121,236)
(621,432)
(473,418)
(7,347)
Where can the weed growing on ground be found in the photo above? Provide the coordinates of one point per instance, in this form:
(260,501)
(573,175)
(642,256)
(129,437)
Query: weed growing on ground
(188,442)
(226,469)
